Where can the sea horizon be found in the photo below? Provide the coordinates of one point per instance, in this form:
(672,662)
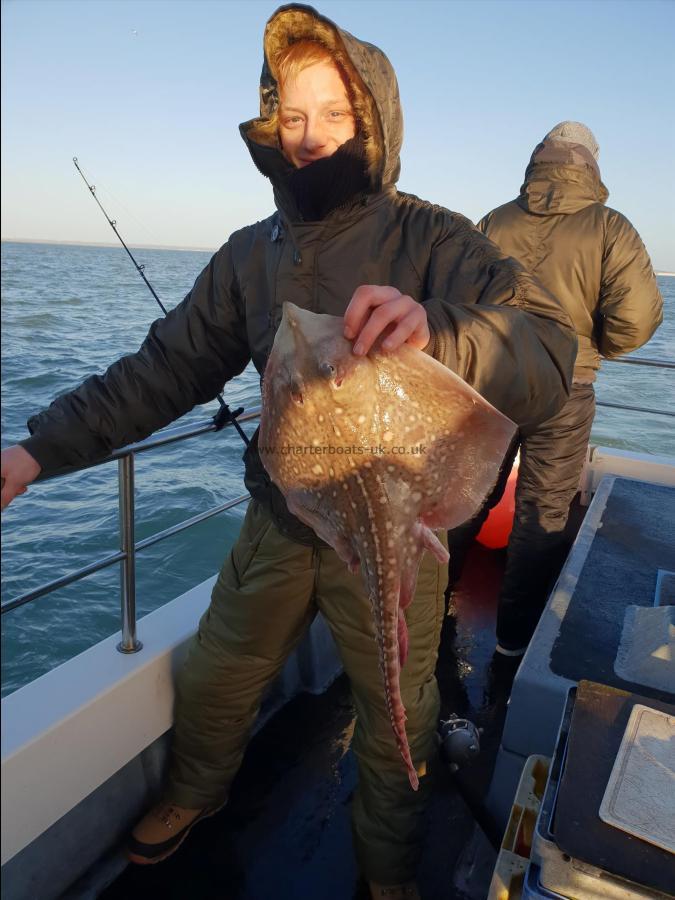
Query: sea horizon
(56,243)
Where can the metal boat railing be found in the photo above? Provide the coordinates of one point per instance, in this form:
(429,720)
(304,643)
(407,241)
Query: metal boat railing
(128,546)
(639,361)
(126,555)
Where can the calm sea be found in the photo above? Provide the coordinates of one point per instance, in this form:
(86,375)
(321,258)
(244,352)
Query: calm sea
(67,312)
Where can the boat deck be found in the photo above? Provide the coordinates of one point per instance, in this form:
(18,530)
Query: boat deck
(285,833)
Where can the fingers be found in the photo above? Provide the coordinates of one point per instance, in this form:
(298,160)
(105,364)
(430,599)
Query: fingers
(412,329)
(379,321)
(376,312)
(17,470)
(366,297)
(10,491)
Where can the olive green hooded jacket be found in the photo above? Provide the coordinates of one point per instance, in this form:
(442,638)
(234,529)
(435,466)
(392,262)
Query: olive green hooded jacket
(586,254)
(491,322)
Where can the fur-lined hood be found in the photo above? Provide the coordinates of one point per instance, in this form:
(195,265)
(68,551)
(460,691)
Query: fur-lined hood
(375,91)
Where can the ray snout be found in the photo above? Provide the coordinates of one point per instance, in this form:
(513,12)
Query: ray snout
(289,313)
(296,317)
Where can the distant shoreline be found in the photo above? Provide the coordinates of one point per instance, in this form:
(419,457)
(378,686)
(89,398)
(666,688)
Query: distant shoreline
(107,244)
(152,247)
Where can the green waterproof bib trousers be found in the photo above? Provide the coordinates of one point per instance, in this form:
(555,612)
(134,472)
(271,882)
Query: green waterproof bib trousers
(268,591)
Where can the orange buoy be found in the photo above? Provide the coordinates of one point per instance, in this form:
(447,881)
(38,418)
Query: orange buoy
(497,527)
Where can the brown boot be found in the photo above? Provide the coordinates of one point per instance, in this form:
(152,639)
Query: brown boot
(407,891)
(161,831)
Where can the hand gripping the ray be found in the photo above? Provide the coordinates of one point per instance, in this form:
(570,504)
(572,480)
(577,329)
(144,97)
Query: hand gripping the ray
(379,311)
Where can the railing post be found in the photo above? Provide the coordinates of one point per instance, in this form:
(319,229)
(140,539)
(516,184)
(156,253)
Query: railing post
(129,642)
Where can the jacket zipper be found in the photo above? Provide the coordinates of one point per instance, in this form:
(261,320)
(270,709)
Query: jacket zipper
(315,271)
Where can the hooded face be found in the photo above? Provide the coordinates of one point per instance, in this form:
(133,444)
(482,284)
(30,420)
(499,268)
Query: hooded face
(315,114)
(373,91)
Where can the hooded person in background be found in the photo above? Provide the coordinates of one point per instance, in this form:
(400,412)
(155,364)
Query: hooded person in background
(343,241)
(592,259)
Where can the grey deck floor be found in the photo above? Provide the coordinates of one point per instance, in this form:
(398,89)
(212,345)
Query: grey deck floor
(285,833)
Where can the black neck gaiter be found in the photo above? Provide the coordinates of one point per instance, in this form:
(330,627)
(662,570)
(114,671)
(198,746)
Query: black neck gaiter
(324,185)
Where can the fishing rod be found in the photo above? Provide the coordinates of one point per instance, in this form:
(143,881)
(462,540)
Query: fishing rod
(224,414)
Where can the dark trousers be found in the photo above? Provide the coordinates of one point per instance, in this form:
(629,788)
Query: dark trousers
(269,590)
(551,459)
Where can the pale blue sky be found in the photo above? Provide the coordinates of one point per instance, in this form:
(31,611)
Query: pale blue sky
(148,95)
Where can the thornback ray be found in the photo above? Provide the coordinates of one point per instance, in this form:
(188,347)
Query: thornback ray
(375,453)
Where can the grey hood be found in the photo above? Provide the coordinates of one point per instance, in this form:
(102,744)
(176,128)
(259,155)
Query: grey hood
(561,178)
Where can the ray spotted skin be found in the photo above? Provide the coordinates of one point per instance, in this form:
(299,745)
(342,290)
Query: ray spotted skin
(375,453)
